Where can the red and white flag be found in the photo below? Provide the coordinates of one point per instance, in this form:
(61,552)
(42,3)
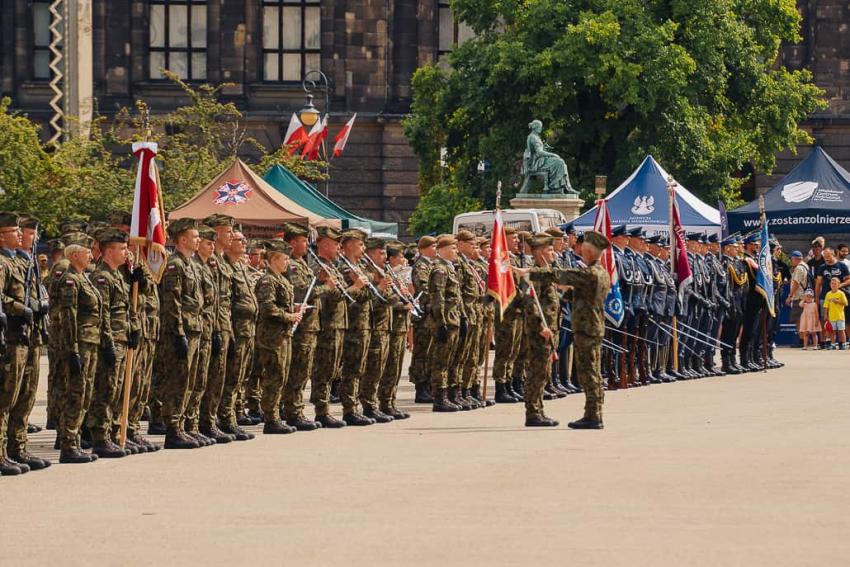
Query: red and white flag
(678,253)
(295,136)
(146,228)
(318,134)
(500,278)
(342,137)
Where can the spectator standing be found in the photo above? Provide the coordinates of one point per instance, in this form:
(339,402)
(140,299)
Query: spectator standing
(799,285)
(835,302)
(809,325)
(831,268)
(815,259)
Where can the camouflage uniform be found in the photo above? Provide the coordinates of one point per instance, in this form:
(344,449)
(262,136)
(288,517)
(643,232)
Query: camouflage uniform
(17,333)
(217,370)
(55,374)
(182,303)
(79,325)
(251,393)
(488,314)
(328,354)
(244,315)
(508,334)
(356,342)
(399,327)
(209,325)
(140,395)
(275,299)
(472,291)
(379,345)
(419,371)
(538,355)
(445,310)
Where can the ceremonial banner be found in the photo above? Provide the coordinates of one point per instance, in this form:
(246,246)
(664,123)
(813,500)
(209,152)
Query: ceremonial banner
(341,138)
(296,135)
(317,135)
(678,253)
(614,308)
(500,279)
(146,228)
(764,275)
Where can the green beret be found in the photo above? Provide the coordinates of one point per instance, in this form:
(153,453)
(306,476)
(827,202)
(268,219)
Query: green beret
(179,226)
(596,239)
(426,241)
(110,235)
(120,217)
(353,234)
(540,240)
(73,226)
(375,243)
(218,219)
(77,239)
(29,221)
(207,232)
(328,232)
(55,245)
(8,220)
(278,246)
(291,230)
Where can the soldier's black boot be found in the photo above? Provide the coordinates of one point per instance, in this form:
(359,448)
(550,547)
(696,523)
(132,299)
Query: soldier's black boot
(475,392)
(146,414)
(139,440)
(502,395)
(243,420)
(237,432)
(394,412)
(442,403)
(453,394)
(108,450)
(156,428)
(217,434)
(586,423)
(423,393)
(30,460)
(335,392)
(177,439)
(517,388)
(8,468)
(301,423)
(472,400)
(33,428)
(734,362)
(277,427)
(540,420)
(74,456)
(377,415)
(511,392)
(357,420)
(330,422)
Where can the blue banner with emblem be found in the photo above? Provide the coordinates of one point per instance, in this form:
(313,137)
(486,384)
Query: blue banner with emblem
(764,276)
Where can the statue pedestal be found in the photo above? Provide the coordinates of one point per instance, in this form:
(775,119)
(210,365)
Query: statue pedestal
(568,204)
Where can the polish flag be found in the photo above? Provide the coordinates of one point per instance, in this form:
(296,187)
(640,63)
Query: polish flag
(295,136)
(342,138)
(318,134)
(146,228)
(500,278)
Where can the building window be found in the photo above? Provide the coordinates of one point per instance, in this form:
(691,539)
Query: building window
(178,39)
(451,33)
(291,39)
(41,35)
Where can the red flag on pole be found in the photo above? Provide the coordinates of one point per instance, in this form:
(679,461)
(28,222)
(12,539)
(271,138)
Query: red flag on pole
(342,137)
(295,136)
(318,134)
(678,253)
(146,226)
(500,278)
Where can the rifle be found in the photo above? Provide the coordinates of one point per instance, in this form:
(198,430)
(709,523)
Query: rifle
(359,273)
(304,303)
(331,270)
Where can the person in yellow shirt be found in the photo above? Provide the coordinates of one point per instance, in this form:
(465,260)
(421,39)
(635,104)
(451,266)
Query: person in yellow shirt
(835,301)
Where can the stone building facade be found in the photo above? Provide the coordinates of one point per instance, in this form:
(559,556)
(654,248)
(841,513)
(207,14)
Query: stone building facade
(368,49)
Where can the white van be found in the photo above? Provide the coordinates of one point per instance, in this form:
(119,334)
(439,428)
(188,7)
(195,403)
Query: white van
(532,220)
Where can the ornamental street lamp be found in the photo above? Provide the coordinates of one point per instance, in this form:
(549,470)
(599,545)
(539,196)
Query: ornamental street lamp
(309,114)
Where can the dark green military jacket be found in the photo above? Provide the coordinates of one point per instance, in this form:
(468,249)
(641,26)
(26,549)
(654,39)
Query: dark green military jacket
(590,287)
(22,258)
(182,296)
(275,299)
(421,275)
(471,290)
(14,295)
(79,311)
(115,292)
(400,314)
(333,306)
(222,272)
(445,302)
(544,282)
(243,303)
(359,312)
(209,313)
(301,276)
(382,311)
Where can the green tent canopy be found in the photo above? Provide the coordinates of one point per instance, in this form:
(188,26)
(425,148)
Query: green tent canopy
(308,197)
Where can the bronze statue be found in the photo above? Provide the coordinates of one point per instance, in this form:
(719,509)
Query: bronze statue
(538,161)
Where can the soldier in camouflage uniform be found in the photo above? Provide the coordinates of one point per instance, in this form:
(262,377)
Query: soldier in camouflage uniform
(78,327)
(276,308)
(118,325)
(358,334)
(243,308)
(182,297)
(204,265)
(379,342)
(399,329)
(419,370)
(59,264)
(488,315)
(222,337)
(508,333)
(305,335)
(445,314)
(473,288)
(248,404)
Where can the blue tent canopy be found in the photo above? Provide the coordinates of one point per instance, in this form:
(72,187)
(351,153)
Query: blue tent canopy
(641,200)
(813,198)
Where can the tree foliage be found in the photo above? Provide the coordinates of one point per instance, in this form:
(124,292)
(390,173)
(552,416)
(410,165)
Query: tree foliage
(437,209)
(692,82)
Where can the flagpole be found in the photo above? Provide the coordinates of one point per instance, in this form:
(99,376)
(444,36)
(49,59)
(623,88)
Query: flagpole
(764,311)
(671,194)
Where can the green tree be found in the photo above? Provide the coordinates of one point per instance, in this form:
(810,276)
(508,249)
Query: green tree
(437,209)
(692,82)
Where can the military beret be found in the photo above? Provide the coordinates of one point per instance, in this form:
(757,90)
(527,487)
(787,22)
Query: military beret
(524,235)
(619,230)
(9,220)
(291,230)
(179,226)
(426,241)
(554,232)
(328,232)
(55,245)
(483,241)
(110,235)
(568,228)
(394,248)
(278,246)
(207,232)
(395,243)
(465,236)
(539,240)
(353,234)
(374,243)
(596,239)
(120,217)
(29,221)
(73,226)
(446,240)
(636,232)
(510,230)
(77,239)
(218,219)
(653,239)
(712,238)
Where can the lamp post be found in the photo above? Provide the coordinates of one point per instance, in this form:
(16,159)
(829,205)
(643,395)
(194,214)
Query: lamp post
(309,114)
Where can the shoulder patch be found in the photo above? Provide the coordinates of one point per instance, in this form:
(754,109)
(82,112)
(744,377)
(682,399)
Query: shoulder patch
(57,273)
(101,280)
(213,263)
(69,283)
(171,267)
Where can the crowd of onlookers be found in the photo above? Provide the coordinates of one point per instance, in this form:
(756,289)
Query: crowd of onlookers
(819,294)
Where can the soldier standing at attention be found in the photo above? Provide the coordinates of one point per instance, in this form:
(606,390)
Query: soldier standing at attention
(248,403)
(399,328)
(422,337)
(473,288)
(182,303)
(488,314)
(243,308)
(79,325)
(508,332)
(445,310)
(305,335)
(277,313)
(109,377)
